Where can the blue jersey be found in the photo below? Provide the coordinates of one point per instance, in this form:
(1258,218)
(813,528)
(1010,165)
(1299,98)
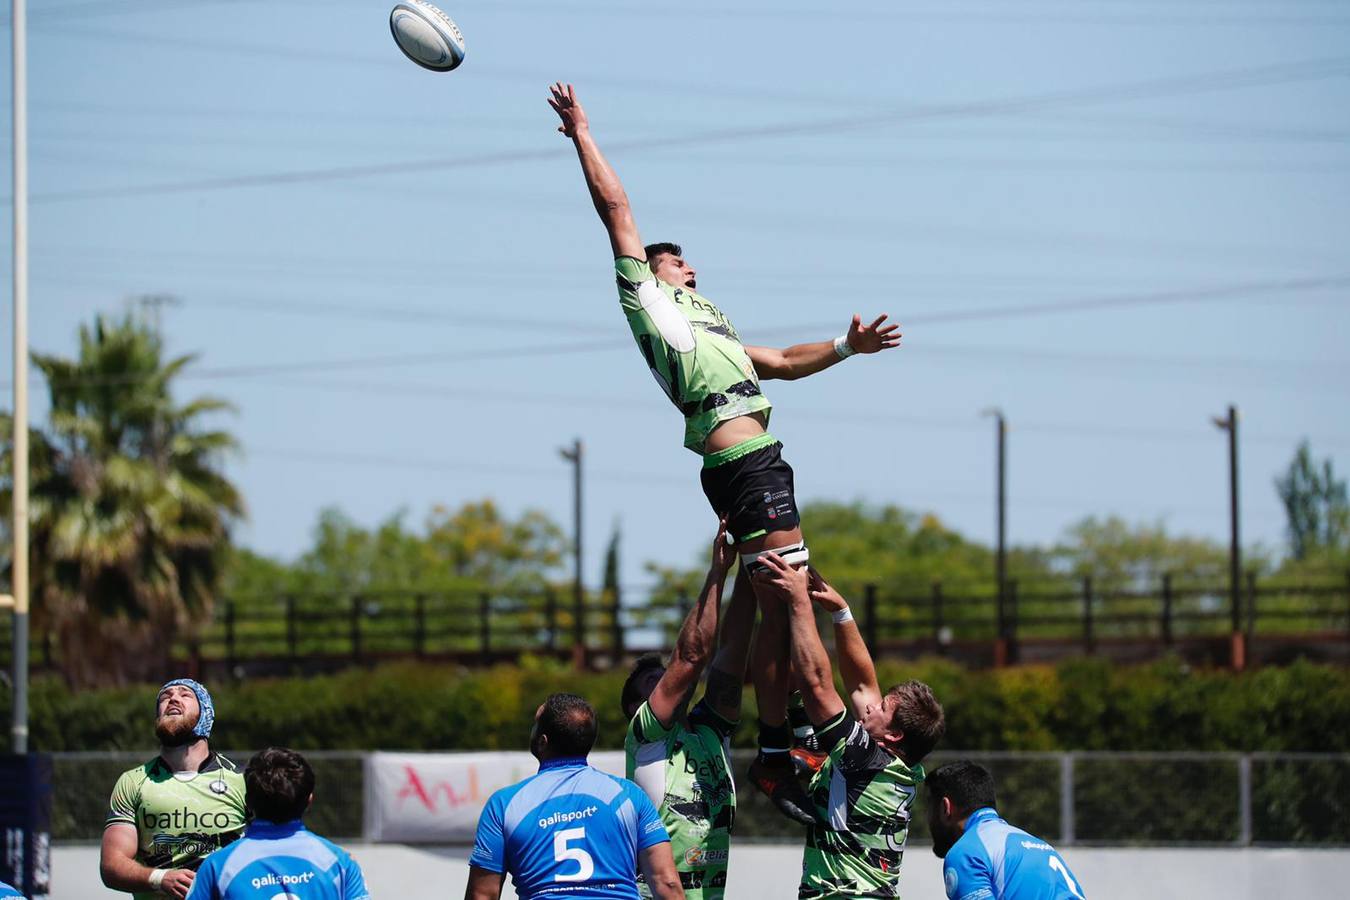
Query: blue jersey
(569,831)
(9,893)
(995,861)
(279,862)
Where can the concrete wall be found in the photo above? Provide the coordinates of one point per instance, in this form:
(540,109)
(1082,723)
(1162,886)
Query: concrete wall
(767,872)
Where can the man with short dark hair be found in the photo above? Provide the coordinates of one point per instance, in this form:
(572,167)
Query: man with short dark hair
(570,830)
(278,856)
(697,358)
(985,858)
(682,759)
(165,816)
(863,792)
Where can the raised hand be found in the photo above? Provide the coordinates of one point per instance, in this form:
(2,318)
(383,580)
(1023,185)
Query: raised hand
(780,578)
(564,101)
(723,553)
(825,596)
(871,338)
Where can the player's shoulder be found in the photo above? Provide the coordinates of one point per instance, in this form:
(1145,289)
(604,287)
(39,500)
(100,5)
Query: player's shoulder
(632,271)
(220,762)
(343,857)
(151,769)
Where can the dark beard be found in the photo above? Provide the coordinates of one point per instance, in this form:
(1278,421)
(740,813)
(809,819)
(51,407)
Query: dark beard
(943,841)
(177,733)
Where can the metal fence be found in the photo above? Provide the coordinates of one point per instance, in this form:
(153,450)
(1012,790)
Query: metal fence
(1094,798)
(1275,620)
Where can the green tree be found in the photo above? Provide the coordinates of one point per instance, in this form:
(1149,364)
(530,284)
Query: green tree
(473,547)
(1121,556)
(1315,505)
(130,512)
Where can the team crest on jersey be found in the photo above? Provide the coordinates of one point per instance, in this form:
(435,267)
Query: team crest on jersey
(219,786)
(950,880)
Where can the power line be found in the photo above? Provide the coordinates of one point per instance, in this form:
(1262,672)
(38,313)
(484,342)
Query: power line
(672,482)
(1171,86)
(1224,292)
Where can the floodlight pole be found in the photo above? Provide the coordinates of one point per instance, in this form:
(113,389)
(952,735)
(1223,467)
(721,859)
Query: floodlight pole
(19,568)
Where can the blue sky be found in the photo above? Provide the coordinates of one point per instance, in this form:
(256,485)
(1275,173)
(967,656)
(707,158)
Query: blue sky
(397,278)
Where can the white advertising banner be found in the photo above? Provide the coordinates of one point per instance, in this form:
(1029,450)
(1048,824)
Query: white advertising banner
(435,798)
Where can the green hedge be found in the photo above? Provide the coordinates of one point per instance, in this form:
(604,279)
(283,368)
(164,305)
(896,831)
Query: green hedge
(1084,705)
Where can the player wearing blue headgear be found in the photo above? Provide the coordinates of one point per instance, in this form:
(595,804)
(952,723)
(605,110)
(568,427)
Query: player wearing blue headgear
(985,858)
(166,815)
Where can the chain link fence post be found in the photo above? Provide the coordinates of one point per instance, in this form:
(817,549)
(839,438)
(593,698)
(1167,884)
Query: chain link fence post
(1066,805)
(1244,764)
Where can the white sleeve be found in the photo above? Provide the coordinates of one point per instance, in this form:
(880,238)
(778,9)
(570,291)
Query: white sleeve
(670,323)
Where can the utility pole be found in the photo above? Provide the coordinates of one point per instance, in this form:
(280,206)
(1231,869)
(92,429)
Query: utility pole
(1002,654)
(19,565)
(574,456)
(1239,646)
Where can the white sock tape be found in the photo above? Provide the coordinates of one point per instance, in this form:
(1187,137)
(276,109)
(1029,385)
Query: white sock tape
(793,554)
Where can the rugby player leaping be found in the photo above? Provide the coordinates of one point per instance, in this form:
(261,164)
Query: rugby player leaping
(713,379)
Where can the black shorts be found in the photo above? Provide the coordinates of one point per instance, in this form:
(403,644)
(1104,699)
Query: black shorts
(754,491)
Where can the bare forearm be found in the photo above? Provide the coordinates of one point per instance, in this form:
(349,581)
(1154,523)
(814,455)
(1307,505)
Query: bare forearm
(698,634)
(121,873)
(602,181)
(811,663)
(795,362)
(855,662)
(808,359)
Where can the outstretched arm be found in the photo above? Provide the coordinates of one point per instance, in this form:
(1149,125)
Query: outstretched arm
(801,360)
(694,646)
(607,192)
(855,663)
(810,662)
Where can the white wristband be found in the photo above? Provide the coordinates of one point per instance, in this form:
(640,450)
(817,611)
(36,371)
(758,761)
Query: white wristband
(840,616)
(157,878)
(842,348)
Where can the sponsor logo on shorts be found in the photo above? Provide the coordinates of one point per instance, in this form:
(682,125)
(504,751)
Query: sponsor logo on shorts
(701,856)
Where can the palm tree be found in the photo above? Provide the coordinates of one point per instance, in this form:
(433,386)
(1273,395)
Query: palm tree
(130,513)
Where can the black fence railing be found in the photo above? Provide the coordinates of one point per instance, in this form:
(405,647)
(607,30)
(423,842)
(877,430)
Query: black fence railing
(306,632)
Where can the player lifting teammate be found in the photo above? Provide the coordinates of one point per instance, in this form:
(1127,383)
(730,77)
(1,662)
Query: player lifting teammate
(682,761)
(713,379)
(863,793)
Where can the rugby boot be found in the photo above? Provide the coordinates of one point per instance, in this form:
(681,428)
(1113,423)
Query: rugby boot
(777,779)
(807,761)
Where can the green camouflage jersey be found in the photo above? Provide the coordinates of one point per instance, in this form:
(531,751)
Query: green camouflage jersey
(686,771)
(692,349)
(179,819)
(862,797)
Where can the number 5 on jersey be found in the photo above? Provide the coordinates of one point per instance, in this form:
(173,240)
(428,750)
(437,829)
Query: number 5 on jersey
(564,853)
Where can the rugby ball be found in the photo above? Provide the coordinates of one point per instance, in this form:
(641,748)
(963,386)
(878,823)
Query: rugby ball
(426,35)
